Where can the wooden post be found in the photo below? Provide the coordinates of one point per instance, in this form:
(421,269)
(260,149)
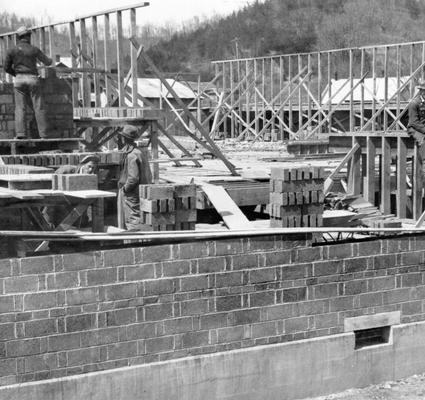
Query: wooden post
(281,79)
(95,62)
(351,73)
(398,73)
(52,43)
(417,182)
(232,100)
(370,170)
(362,68)
(291,120)
(329,93)
(354,171)
(401,198)
(85,88)
(386,176)
(120,60)
(308,91)
(319,85)
(155,152)
(42,38)
(133,55)
(374,87)
(385,85)
(300,98)
(107,57)
(73,46)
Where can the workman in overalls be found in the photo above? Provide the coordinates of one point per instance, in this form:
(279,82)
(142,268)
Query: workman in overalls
(21,62)
(135,171)
(416,126)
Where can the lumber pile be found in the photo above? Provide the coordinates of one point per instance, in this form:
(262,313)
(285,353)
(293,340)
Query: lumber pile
(18,169)
(296,197)
(165,207)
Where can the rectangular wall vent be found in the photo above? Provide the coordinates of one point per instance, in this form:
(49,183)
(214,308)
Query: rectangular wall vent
(372,336)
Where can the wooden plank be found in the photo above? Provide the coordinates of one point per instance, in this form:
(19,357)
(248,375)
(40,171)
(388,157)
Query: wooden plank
(73,46)
(120,59)
(20,194)
(226,207)
(133,57)
(370,170)
(89,194)
(417,182)
(401,178)
(52,43)
(85,84)
(96,80)
(385,176)
(107,55)
(354,173)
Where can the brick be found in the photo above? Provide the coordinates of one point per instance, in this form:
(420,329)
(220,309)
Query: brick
(191,283)
(324,268)
(159,286)
(41,327)
(80,322)
(141,331)
(340,251)
(264,329)
(260,299)
(212,321)
(228,247)
(122,350)
(7,304)
(214,264)
(193,250)
(279,257)
(158,312)
(176,268)
(121,317)
(229,279)
(228,303)
(99,337)
(159,345)
(385,261)
(296,324)
(262,275)
(83,356)
(246,261)
(118,257)
(411,308)
(37,265)
(120,291)
(194,307)
(325,291)
(396,296)
(412,258)
(139,272)
(178,325)
(371,299)
(261,243)
(21,284)
(7,331)
(355,287)
(102,276)
(22,348)
(232,334)
(358,264)
(8,367)
(292,272)
(281,311)
(39,301)
(293,294)
(195,339)
(382,283)
(411,280)
(62,280)
(63,342)
(325,321)
(78,261)
(308,254)
(81,296)
(41,363)
(341,303)
(156,253)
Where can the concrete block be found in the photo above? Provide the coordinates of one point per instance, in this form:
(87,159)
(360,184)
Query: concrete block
(72,182)
(371,321)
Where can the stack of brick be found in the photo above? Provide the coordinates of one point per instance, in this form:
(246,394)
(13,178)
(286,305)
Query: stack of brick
(168,207)
(58,96)
(72,182)
(296,197)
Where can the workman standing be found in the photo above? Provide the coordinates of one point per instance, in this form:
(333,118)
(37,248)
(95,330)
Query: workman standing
(135,171)
(416,126)
(21,62)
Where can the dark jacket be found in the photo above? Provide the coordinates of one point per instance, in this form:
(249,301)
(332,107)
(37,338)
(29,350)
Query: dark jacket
(135,169)
(22,59)
(417,114)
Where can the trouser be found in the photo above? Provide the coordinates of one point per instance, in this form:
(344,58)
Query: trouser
(128,211)
(27,90)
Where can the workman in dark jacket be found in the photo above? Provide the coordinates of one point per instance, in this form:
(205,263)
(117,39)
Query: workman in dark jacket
(21,62)
(135,171)
(416,126)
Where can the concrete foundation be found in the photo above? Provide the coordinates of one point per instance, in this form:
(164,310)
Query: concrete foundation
(284,371)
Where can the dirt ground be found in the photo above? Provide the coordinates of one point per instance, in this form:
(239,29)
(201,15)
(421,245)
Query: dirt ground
(412,388)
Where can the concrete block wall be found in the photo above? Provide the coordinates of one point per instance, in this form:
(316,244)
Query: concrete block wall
(58,97)
(77,313)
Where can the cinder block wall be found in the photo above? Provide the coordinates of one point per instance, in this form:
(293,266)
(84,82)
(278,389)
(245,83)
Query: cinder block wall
(58,95)
(75,313)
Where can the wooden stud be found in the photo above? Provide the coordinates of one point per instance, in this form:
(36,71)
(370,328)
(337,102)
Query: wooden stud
(107,56)
(362,68)
(120,60)
(95,58)
(370,170)
(417,182)
(133,55)
(74,50)
(386,176)
(401,197)
(52,43)
(385,124)
(85,85)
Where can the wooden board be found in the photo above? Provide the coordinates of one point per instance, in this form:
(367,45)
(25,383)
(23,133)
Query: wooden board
(21,194)
(90,194)
(226,207)
(26,177)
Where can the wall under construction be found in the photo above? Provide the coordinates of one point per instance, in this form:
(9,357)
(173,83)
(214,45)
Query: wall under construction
(72,314)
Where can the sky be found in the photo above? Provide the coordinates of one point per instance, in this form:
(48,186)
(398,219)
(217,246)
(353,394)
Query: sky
(159,12)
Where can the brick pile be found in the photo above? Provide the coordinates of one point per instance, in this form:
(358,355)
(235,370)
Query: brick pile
(296,197)
(71,182)
(168,207)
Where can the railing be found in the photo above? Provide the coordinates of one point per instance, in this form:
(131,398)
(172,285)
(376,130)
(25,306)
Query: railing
(304,95)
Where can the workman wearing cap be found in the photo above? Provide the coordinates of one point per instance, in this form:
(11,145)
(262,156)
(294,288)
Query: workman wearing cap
(55,214)
(135,171)
(416,126)
(21,62)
